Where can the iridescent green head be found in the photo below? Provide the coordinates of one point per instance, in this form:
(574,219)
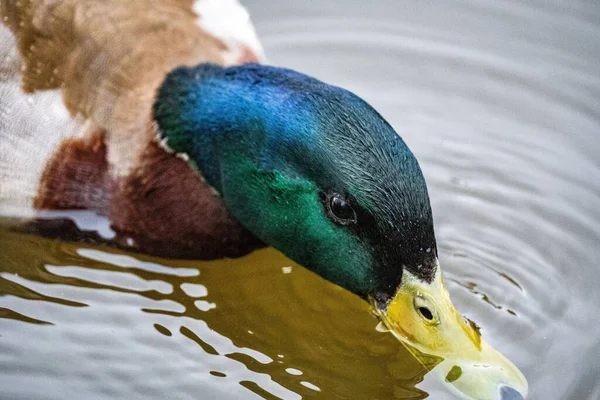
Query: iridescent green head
(314,171)
(309,168)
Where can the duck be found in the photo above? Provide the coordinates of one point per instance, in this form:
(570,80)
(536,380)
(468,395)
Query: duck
(163,116)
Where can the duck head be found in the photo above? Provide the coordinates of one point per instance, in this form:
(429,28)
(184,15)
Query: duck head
(314,171)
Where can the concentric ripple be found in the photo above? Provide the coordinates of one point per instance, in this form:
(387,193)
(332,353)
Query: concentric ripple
(500,102)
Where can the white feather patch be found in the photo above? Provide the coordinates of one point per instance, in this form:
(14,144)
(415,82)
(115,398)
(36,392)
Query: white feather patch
(229,21)
(32,126)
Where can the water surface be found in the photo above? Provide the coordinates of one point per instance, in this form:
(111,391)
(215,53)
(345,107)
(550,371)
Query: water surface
(500,101)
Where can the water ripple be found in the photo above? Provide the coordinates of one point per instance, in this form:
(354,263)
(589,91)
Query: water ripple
(500,101)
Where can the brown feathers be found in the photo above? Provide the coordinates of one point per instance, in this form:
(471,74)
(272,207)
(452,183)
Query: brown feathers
(168,211)
(77,177)
(107,58)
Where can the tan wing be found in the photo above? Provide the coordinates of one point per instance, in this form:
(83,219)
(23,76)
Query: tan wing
(104,60)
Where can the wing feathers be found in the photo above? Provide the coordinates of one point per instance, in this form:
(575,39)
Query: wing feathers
(69,64)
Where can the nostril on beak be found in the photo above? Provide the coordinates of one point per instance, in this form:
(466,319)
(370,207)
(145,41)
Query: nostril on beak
(508,393)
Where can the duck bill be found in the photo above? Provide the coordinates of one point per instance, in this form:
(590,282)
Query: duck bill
(422,316)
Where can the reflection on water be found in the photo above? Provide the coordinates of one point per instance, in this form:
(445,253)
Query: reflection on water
(500,101)
(77,318)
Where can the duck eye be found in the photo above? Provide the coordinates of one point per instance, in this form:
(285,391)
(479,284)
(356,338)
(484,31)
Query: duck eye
(341,210)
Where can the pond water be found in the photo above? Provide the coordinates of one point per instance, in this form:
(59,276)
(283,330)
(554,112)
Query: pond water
(500,101)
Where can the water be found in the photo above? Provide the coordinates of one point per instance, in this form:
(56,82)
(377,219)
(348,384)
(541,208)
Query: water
(501,104)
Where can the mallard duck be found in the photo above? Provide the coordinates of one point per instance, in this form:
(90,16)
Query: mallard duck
(159,115)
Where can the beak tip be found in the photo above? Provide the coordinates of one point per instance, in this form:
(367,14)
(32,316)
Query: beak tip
(508,393)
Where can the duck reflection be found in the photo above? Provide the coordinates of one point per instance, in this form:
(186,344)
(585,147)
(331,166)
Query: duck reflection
(247,321)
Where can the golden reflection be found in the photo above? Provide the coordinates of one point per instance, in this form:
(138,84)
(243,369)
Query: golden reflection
(261,311)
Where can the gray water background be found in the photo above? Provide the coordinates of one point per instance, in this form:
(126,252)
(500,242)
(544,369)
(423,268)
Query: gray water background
(500,102)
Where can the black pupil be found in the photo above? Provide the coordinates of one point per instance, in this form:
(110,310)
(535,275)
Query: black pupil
(426,313)
(341,209)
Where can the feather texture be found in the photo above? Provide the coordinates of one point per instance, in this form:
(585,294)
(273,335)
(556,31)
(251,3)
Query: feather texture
(32,126)
(72,68)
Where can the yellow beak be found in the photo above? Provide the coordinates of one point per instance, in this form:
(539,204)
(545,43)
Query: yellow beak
(422,315)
